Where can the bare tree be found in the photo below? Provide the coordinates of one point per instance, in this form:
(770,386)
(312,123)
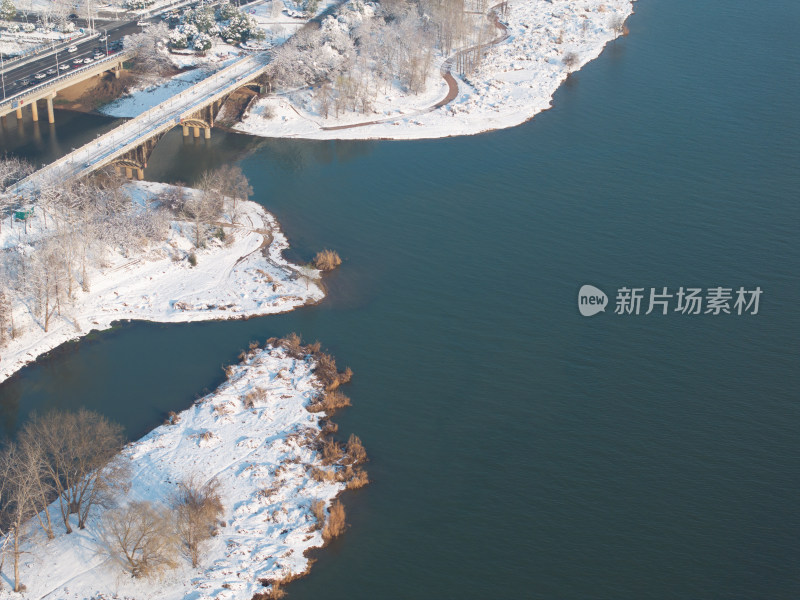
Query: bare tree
(617,25)
(6,316)
(571,60)
(140,538)
(11,170)
(204,207)
(45,279)
(17,505)
(148,48)
(233,184)
(43,491)
(197,509)
(81,462)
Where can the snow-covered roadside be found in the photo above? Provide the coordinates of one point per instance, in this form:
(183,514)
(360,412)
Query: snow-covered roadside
(255,436)
(516,81)
(243,278)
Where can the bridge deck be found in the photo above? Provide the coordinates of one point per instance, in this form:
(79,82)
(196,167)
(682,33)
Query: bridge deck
(148,125)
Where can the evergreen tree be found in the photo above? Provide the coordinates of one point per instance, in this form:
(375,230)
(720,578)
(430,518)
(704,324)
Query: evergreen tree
(7,10)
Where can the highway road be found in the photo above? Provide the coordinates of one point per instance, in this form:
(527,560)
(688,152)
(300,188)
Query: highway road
(12,78)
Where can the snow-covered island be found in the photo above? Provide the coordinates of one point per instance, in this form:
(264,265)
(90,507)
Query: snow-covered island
(61,282)
(264,439)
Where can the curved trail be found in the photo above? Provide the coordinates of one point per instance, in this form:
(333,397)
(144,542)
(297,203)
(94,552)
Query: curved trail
(452,84)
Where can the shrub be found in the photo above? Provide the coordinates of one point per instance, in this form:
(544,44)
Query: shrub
(293,343)
(192,258)
(139,538)
(358,480)
(274,593)
(335,400)
(173,418)
(323,475)
(355,450)
(570,60)
(197,508)
(331,452)
(329,402)
(326,371)
(318,510)
(327,260)
(253,396)
(329,427)
(336,524)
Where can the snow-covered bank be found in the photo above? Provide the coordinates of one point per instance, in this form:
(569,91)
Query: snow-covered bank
(143,98)
(244,276)
(547,39)
(254,435)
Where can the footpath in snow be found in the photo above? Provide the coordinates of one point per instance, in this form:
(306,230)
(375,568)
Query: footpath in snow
(262,436)
(244,276)
(546,40)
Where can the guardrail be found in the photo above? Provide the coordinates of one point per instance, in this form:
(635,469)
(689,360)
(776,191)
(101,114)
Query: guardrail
(43,48)
(9,101)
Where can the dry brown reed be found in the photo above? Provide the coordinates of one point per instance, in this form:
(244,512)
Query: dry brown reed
(327,260)
(355,450)
(336,523)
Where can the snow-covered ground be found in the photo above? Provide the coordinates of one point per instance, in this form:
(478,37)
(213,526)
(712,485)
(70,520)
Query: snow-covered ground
(516,81)
(262,457)
(20,42)
(243,278)
(140,99)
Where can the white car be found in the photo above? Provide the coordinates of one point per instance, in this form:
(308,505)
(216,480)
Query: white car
(97,56)
(72,49)
(77,61)
(40,76)
(64,66)
(143,23)
(87,60)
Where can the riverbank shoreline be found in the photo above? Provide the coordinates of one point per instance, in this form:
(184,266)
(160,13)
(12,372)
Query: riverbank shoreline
(538,46)
(264,436)
(241,277)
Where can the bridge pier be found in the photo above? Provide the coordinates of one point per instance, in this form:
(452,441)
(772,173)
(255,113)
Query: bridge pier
(207,133)
(128,172)
(185,131)
(19,114)
(196,131)
(35,111)
(140,174)
(50,116)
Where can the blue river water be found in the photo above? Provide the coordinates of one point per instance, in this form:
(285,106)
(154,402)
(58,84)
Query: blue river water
(519,449)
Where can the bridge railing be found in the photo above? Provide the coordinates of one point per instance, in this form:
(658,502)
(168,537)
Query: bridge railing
(9,101)
(246,68)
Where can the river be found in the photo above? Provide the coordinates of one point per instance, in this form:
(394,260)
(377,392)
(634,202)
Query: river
(518,449)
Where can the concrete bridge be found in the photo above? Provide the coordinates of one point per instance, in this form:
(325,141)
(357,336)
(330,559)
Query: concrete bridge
(49,89)
(128,146)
